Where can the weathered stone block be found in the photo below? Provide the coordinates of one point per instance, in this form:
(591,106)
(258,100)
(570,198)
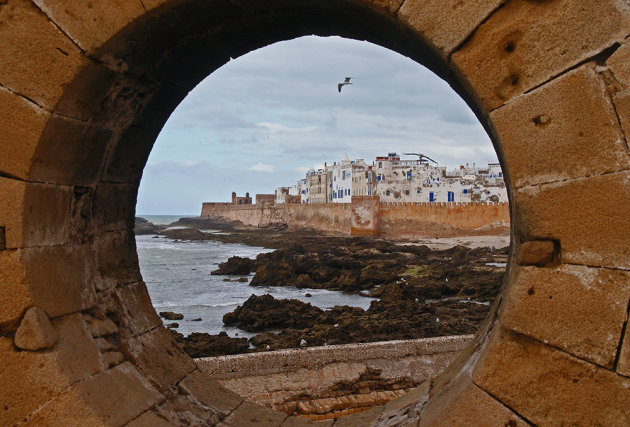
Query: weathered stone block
(623,366)
(572,115)
(78,354)
(112,358)
(15,294)
(548,386)
(104,344)
(69,152)
(137,313)
(88,97)
(150,419)
(537,252)
(91,26)
(210,393)
(587,216)
(364,418)
(130,155)
(622,106)
(114,206)
(35,331)
(525,43)
(578,309)
(116,260)
(619,64)
(158,110)
(39,62)
(34,214)
(461,402)
(300,422)
(113,397)
(391,6)
(35,378)
(251,414)
(186,410)
(59,278)
(23,122)
(100,327)
(152,4)
(159,358)
(446,24)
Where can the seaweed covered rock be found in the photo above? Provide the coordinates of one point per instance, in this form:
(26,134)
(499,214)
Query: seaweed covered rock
(265,312)
(236,266)
(205,345)
(171,315)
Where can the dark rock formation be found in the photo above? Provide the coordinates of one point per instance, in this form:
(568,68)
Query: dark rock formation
(401,315)
(170,315)
(143,226)
(184,234)
(265,312)
(236,266)
(206,345)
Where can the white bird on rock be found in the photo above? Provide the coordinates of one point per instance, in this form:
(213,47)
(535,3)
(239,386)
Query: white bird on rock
(345,82)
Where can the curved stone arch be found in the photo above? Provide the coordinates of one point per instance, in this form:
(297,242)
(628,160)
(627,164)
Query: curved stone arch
(85,88)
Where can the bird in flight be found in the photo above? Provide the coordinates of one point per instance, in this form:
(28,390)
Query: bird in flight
(345,82)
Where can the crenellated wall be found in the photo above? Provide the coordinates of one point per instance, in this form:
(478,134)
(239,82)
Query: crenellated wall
(414,220)
(366,216)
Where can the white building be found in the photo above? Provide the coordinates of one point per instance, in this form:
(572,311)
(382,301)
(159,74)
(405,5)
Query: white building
(317,181)
(304,193)
(419,181)
(362,178)
(399,180)
(341,181)
(404,180)
(281,195)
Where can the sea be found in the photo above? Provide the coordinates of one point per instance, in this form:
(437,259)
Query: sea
(177,274)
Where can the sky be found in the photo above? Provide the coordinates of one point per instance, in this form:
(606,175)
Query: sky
(263,119)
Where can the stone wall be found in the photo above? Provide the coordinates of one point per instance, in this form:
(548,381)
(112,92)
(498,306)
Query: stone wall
(333,381)
(416,220)
(327,217)
(366,216)
(86,87)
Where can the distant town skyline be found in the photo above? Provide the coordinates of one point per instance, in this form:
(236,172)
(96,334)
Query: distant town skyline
(262,120)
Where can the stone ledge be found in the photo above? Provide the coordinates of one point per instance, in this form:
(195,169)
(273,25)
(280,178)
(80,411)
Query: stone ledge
(315,357)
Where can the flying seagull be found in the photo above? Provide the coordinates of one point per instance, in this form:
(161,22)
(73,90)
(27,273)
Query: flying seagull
(345,82)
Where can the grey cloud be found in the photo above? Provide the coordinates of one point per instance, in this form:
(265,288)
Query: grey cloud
(393,105)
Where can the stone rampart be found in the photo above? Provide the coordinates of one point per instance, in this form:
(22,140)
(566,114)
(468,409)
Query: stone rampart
(328,217)
(366,216)
(332,381)
(414,220)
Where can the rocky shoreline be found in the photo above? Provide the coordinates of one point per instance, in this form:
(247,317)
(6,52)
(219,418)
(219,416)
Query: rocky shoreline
(418,292)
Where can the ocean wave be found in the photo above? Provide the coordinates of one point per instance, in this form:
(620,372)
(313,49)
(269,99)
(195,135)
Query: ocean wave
(183,305)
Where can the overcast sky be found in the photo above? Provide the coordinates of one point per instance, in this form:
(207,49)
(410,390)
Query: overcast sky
(263,119)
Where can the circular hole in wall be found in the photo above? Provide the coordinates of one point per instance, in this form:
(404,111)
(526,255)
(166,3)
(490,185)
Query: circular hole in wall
(275,128)
(91,92)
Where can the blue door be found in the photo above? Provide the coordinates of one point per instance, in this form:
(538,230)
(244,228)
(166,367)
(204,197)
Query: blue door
(431,196)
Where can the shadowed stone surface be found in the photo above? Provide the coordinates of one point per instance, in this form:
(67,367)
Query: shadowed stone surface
(86,86)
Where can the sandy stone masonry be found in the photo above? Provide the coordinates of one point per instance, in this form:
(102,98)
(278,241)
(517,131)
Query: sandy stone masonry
(85,88)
